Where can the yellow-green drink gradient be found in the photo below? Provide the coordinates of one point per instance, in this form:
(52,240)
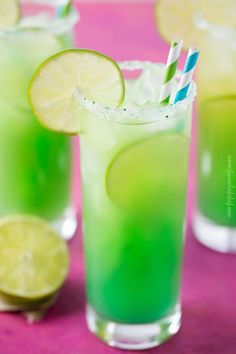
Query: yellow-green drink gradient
(134,191)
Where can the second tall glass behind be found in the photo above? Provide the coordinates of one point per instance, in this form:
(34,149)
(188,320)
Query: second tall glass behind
(215,218)
(35,164)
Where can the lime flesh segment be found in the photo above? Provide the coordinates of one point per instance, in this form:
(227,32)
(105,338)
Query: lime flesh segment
(52,89)
(33,258)
(177,19)
(9,13)
(144,173)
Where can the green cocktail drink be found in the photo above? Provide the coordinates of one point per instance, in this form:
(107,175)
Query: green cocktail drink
(215,222)
(35,163)
(134,172)
(134,162)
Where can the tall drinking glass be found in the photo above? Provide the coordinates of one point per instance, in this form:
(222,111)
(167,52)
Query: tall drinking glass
(215,218)
(35,164)
(134,177)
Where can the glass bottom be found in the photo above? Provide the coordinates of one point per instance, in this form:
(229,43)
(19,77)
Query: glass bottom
(133,336)
(67,224)
(217,237)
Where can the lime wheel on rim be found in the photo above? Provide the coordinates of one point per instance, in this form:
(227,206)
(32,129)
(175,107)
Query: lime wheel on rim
(52,89)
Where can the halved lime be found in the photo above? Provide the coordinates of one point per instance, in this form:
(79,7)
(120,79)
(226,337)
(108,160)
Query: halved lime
(9,13)
(54,84)
(177,19)
(33,258)
(146,171)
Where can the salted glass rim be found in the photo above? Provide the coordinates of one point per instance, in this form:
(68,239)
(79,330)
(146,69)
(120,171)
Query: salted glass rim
(57,26)
(149,113)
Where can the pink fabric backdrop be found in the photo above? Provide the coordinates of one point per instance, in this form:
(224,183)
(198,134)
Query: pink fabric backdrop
(127,31)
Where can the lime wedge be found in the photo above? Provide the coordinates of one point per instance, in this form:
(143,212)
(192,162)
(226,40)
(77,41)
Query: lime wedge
(147,170)
(33,258)
(9,13)
(177,19)
(54,84)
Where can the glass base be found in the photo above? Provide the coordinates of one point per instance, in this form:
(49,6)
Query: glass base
(133,336)
(66,225)
(217,237)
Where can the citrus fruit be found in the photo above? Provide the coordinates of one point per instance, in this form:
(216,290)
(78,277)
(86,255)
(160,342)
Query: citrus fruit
(52,89)
(145,170)
(179,18)
(33,258)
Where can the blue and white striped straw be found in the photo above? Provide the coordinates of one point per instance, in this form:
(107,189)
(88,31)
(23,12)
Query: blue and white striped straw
(187,74)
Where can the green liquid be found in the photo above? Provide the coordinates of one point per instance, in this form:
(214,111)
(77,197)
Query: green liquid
(34,163)
(134,189)
(217,159)
(133,266)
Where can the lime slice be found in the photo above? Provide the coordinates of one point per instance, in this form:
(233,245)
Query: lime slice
(54,84)
(177,19)
(147,170)
(33,258)
(9,13)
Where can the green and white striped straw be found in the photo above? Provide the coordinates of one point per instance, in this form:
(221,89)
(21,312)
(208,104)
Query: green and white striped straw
(171,67)
(64,8)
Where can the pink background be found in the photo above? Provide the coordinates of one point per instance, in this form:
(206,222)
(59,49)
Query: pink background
(127,31)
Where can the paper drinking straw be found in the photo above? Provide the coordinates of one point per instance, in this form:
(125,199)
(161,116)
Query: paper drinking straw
(187,74)
(171,66)
(63,9)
